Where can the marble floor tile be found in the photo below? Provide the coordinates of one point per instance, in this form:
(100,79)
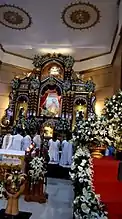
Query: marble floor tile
(59,205)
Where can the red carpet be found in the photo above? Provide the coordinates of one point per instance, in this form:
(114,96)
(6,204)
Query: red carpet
(107,185)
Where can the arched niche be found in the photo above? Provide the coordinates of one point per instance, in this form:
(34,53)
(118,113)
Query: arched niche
(51,67)
(79,105)
(21,106)
(50,100)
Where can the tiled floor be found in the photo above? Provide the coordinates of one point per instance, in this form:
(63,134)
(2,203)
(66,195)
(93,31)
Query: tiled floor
(59,205)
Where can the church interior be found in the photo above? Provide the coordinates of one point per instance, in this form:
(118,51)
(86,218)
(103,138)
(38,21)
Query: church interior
(61,109)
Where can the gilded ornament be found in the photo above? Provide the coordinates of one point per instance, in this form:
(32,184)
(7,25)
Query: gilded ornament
(66,86)
(38,60)
(34,83)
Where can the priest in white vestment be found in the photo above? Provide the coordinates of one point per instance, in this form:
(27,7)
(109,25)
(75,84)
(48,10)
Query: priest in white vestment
(67,152)
(26,142)
(37,140)
(17,142)
(7,141)
(54,145)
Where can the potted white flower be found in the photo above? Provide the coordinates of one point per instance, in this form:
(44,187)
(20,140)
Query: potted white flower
(35,187)
(37,170)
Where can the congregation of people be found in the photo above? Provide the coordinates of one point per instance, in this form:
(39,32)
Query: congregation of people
(59,151)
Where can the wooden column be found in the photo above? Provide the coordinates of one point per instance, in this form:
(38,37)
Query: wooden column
(64,105)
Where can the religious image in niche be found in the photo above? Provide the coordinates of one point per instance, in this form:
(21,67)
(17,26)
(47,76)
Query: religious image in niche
(55,71)
(50,104)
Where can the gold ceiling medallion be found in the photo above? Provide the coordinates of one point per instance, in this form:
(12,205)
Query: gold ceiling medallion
(79,16)
(14,17)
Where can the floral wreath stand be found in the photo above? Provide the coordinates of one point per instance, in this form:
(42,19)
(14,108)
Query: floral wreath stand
(34,191)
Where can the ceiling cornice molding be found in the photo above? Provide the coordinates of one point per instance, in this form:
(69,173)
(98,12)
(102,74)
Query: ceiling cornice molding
(118,2)
(14,54)
(102,54)
(80,60)
(1,47)
(83,72)
(17,67)
(76,61)
(96,69)
(120,33)
(117,48)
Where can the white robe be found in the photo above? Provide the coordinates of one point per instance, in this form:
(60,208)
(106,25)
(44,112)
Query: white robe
(7,141)
(16,143)
(26,142)
(37,141)
(67,152)
(54,150)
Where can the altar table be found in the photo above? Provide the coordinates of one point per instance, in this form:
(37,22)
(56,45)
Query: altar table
(11,159)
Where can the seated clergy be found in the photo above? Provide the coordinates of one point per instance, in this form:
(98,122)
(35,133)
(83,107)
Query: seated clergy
(26,142)
(7,141)
(17,141)
(67,152)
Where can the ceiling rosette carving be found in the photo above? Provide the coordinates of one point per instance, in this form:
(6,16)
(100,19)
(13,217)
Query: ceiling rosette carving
(79,16)
(14,17)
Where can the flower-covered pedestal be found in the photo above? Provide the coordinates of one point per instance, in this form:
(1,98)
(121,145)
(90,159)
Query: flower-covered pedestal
(35,192)
(86,202)
(35,187)
(93,133)
(113,112)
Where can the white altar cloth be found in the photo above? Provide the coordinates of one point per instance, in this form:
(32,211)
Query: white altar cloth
(12,152)
(11,157)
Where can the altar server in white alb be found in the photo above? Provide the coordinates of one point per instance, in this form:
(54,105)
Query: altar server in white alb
(37,140)
(7,141)
(67,152)
(54,145)
(26,142)
(17,141)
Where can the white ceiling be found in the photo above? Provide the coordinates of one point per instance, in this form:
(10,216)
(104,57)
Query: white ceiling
(48,33)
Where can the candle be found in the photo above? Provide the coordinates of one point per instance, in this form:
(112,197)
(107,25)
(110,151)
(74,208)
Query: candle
(31,146)
(28,149)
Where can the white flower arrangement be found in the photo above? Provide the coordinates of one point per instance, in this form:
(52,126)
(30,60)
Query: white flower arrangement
(92,131)
(113,136)
(87,204)
(113,106)
(37,169)
(83,131)
(62,125)
(2,189)
(113,112)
